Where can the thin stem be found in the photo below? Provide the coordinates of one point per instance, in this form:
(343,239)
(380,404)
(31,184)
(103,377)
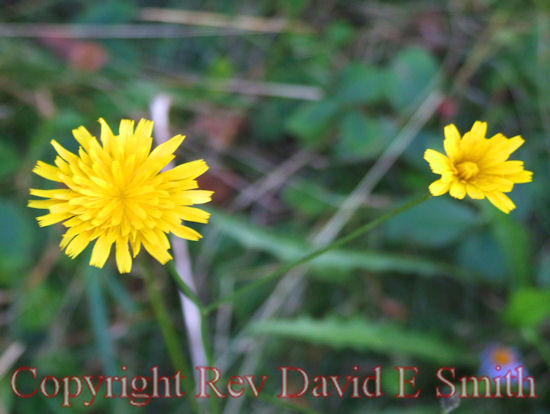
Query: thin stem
(169,334)
(318,252)
(205,332)
(187,291)
(206,340)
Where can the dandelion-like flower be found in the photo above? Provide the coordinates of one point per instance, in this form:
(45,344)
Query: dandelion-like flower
(477,166)
(116,193)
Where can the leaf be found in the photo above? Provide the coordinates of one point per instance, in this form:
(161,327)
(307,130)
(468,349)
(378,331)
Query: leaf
(361,334)
(305,199)
(414,154)
(360,83)
(59,128)
(35,68)
(268,117)
(294,8)
(543,271)
(221,68)
(528,307)
(34,315)
(9,159)
(15,239)
(312,121)
(435,223)
(286,249)
(339,33)
(513,240)
(97,310)
(140,92)
(413,69)
(363,137)
(490,264)
(115,11)
(120,295)
(59,361)
(7,397)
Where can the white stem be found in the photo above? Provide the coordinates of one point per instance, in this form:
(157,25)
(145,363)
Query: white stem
(160,108)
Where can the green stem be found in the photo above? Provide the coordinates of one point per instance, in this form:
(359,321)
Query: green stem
(170,336)
(186,290)
(205,332)
(318,252)
(208,351)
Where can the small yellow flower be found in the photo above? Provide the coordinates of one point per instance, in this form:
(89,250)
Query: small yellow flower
(477,166)
(116,193)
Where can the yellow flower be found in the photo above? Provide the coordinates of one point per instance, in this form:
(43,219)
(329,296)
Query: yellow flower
(477,166)
(116,193)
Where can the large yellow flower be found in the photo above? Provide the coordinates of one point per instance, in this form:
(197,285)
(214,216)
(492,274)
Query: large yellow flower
(116,193)
(477,166)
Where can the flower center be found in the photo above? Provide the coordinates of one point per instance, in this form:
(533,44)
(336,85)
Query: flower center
(467,170)
(121,196)
(501,357)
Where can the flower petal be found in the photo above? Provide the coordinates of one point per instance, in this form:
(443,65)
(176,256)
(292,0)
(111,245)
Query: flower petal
(101,251)
(123,258)
(439,163)
(452,142)
(106,135)
(158,252)
(185,232)
(83,136)
(500,148)
(487,183)
(193,214)
(457,190)
(199,196)
(47,171)
(167,148)
(501,201)
(474,192)
(189,170)
(52,218)
(439,187)
(136,246)
(64,153)
(144,129)
(521,177)
(77,245)
(479,129)
(43,204)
